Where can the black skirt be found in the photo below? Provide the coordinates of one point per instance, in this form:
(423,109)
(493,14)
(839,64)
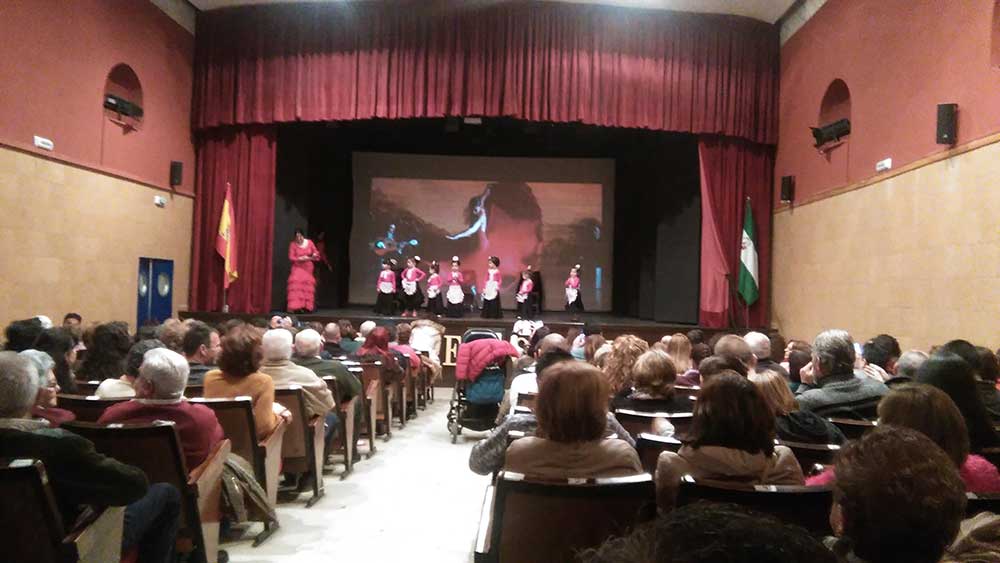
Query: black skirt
(412,302)
(491,309)
(526,310)
(385,304)
(435,305)
(455,310)
(577,305)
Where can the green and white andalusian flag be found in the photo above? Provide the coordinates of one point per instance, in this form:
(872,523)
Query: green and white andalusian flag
(749,287)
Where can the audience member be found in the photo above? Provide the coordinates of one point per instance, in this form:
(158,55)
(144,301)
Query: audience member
(79,475)
(72,321)
(897,497)
(679,350)
(712,533)
(906,367)
(527,382)
(732,345)
(880,355)
(227,326)
(487,455)
(106,351)
(715,365)
(376,349)
(760,346)
(590,347)
(731,439)
(986,381)
(123,386)
(953,375)
(171,334)
(349,336)
(48,387)
(798,358)
(364,330)
(308,345)
(963,349)
(21,335)
(777,346)
(829,385)
(625,350)
(239,375)
(60,344)
(692,377)
(159,392)
(572,414)
(332,340)
(201,346)
(401,344)
(652,390)
(696,336)
(277,348)
(536,337)
(792,424)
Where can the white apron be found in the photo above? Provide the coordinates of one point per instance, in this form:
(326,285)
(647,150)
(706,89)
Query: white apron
(433,291)
(491,290)
(409,287)
(571,294)
(455,295)
(386,287)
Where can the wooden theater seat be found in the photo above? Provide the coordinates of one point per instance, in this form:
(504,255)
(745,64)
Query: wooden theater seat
(302,447)
(527,400)
(87,388)
(236,418)
(853,428)
(194,391)
(87,408)
(808,507)
(377,401)
(981,502)
(811,455)
(650,446)
(156,449)
(525,520)
(31,527)
(346,412)
(638,422)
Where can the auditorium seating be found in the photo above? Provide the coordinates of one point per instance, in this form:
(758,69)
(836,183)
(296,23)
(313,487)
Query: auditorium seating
(527,400)
(156,449)
(302,447)
(87,387)
(808,507)
(525,520)
(86,408)
(32,528)
(371,383)
(851,428)
(811,455)
(637,422)
(650,446)
(346,413)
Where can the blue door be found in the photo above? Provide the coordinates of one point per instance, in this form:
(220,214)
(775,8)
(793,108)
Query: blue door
(155,291)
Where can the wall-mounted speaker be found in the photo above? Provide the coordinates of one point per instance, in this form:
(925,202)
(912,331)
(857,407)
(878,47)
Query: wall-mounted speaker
(947,123)
(176,173)
(787,189)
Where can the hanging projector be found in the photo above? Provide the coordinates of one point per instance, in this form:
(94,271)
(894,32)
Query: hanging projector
(831,132)
(122,106)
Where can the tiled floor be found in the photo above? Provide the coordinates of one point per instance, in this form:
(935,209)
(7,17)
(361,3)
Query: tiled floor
(414,501)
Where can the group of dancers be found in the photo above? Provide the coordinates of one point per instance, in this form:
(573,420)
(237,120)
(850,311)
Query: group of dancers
(401,292)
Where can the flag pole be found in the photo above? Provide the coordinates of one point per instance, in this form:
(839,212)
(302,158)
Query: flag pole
(746,306)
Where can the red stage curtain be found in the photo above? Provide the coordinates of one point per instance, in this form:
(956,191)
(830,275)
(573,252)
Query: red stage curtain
(245,157)
(731,171)
(538,61)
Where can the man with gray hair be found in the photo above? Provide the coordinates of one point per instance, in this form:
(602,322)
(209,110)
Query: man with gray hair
(308,346)
(906,367)
(760,345)
(365,329)
(829,384)
(277,347)
(159,395)
(78,474)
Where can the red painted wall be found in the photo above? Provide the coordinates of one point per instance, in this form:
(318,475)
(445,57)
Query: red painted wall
(54,61)
(899,58)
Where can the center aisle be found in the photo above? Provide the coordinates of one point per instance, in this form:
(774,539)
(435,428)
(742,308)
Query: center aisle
(416,500)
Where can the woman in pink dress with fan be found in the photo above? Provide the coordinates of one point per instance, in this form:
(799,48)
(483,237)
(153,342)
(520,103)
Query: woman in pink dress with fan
(301,294)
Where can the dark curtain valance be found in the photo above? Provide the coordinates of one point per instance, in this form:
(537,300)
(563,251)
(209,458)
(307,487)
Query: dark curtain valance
(539,61)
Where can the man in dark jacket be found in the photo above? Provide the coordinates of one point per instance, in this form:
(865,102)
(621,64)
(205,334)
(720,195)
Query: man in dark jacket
(829,386)
(81,476)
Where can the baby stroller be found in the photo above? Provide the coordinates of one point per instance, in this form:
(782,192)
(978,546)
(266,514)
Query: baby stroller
(475,404)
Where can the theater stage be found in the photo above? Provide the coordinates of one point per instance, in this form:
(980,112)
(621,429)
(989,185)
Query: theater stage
(610,325)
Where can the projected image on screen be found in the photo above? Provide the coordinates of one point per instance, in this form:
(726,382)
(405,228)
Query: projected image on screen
(548,225)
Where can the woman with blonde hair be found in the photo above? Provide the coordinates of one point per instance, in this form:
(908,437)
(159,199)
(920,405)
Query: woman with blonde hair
(591,345)
(653,377)
(625,350)
(679,350)
(792,424)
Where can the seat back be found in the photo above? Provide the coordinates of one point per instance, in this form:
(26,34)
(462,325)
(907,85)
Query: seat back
(87,408)
(236,418)
(297,436)
(544,521)
(86,388)
(194,391)
(809,455)
(527,400)
(808,507)
(30,524)
(650,446)
(853,429)
(638,422)
(976,503)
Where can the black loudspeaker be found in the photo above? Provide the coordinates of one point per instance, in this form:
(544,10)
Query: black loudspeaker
(176,172)
(947,122)
(787,189)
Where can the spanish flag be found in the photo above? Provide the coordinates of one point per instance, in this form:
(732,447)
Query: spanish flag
(225,239)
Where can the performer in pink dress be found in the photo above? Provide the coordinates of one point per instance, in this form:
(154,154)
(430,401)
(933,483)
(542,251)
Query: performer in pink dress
(412,296)
(525,299)
(574,303)
(385,303)
(491,290)
(435,304)
(456,295)
(301,296)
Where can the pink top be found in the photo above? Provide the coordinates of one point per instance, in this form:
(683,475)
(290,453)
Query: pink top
(526,286)
(387,276)
(978,474)
(456,278)
(493,275)
(573,282)
(434,280)
(413,274)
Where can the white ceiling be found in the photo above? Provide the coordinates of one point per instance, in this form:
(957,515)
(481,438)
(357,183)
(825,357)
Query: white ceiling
(765,10)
